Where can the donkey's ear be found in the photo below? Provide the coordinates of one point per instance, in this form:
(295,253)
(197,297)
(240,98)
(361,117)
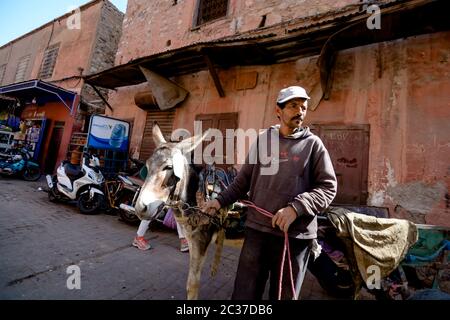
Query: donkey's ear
(191,143)
(158,137)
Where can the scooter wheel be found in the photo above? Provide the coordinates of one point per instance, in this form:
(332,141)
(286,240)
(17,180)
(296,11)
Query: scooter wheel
(51,196)
(89,206)
(129,218)
(31,174)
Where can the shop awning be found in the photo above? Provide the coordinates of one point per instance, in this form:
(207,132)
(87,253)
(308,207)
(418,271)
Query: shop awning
(39,92)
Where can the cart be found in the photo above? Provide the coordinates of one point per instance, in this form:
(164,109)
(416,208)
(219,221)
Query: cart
(425,266)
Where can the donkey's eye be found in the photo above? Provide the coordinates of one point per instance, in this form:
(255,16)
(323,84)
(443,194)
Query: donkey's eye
(166,168)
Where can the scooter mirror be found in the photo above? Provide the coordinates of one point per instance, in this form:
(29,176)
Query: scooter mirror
(94,162)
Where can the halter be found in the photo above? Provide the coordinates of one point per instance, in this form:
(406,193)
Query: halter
(174,201)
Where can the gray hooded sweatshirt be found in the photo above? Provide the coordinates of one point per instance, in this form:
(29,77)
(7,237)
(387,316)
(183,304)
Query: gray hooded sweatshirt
(305,181)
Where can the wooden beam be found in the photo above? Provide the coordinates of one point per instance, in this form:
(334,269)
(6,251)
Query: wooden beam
(101,97)
(214,75)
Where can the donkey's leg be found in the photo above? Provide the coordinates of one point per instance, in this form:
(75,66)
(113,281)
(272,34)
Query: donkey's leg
(220,238)
(199,241)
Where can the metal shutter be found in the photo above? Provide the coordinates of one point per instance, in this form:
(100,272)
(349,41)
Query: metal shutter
(165,121)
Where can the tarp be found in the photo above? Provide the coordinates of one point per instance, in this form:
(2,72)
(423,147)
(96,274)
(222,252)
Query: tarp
(372,241)
(167,93)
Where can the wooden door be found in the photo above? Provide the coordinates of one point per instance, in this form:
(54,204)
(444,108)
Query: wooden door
(221,121)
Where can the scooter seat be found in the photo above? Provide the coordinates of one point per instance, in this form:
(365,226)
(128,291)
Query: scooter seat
(72,171)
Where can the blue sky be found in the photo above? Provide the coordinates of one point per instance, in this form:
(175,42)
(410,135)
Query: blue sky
(18,17)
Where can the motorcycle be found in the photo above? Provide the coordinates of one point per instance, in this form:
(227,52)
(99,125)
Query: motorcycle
(135,167)
(212,180)
(82,184)
(18,163)
(123,189)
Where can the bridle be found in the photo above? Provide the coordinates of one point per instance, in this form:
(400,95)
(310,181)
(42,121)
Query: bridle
(175,202)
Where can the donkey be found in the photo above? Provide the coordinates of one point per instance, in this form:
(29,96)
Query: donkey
(172,181)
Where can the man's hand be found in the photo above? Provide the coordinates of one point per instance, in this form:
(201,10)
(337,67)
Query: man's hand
(211,206)
(283,218)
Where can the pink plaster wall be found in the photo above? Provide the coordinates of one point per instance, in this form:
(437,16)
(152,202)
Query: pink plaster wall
(75,49)
(399,88)
(149,25)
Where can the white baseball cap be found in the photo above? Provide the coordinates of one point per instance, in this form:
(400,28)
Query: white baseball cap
(287,94)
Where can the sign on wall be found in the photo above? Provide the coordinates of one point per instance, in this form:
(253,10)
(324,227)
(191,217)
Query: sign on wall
(108,134)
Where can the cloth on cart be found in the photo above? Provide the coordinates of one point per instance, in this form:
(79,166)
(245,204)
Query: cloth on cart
(433,240)
(416,258)
(372,241)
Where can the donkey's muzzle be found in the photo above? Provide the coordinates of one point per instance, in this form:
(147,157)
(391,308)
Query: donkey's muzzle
(140,210)
(151,211)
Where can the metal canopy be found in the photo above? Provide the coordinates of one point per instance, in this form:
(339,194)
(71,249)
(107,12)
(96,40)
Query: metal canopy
(285,42)
(41,91)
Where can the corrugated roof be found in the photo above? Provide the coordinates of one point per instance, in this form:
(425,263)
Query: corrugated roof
(285,41)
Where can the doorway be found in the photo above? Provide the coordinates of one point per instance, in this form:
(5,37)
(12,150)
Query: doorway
(53,148)
(348,146)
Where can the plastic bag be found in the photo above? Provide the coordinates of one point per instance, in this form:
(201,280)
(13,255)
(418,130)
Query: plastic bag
(169,220)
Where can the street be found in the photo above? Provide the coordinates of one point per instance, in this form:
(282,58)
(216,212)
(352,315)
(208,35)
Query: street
(39,240)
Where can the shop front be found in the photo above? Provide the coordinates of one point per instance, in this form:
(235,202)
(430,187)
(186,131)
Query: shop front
(42,119)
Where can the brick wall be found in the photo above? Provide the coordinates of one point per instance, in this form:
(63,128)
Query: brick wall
(109,31)
(160,25)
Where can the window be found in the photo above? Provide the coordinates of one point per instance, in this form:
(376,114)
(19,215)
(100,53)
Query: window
(209,10)
(22,67)
(49,61)
(2,72)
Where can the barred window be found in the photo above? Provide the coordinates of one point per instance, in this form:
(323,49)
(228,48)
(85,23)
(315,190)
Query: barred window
(2,73)
(22,67)
(49,61)
(209,10)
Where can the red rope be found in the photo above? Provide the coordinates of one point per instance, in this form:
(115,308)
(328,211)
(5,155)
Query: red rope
(285,249)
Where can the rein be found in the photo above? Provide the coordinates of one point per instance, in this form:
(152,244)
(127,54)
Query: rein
(175,202)
(185,207)
(285,249)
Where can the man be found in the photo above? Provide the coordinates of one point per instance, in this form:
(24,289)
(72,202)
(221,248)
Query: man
(304,185)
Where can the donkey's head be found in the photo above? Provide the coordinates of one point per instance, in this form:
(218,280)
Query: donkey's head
(168,174)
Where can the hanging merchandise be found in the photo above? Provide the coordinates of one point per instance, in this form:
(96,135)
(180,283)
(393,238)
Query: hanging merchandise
(13,122)
(34,135)
(3,116)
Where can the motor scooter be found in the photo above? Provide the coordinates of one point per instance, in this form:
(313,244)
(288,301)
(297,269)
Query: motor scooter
(18,163)
(81,184)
